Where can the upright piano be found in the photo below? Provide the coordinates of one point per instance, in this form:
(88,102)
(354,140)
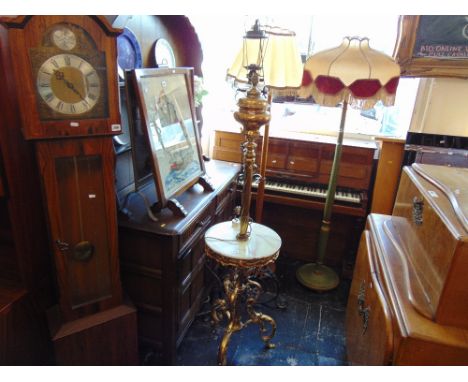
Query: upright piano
(297,174)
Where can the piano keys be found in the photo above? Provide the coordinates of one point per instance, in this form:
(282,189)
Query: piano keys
(312,196)
(309,190)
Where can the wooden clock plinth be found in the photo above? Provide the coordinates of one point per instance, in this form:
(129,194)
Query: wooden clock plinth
(106,338)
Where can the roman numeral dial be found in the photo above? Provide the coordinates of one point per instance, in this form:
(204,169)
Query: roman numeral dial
(68,84)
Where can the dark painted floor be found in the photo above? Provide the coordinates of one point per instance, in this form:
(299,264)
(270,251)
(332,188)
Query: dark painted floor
(310,330)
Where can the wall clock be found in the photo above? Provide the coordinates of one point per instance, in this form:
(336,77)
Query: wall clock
(163,54)
(129,52)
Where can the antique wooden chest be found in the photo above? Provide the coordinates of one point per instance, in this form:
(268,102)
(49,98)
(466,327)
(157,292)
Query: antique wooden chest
(407,303)
(433,204)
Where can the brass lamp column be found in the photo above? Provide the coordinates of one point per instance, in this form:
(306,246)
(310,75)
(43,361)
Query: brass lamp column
(252,115)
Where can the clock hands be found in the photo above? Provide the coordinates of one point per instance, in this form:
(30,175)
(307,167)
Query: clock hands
(61,76)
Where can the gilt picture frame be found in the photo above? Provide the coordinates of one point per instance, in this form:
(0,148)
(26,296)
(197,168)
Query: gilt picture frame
(165,99)
(432,46)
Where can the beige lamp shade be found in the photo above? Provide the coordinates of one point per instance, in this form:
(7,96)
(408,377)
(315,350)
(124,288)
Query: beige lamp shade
(352,72)
(282,65)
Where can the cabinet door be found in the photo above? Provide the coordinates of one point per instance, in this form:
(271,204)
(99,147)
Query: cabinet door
(368,323)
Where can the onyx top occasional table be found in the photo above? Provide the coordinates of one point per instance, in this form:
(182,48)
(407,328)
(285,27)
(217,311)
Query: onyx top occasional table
(246,258)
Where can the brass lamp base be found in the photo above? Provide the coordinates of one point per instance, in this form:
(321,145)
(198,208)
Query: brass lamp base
(317,277)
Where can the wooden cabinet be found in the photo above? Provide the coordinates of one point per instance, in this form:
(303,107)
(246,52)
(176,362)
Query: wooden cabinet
(412,339)
(368,319)
(163,261)
(407,304)
(430,218)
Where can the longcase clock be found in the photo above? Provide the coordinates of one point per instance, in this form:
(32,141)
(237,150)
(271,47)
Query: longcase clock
(67,89)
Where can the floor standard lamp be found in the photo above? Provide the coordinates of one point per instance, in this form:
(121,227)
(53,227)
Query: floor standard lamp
(243,247)
(356,75)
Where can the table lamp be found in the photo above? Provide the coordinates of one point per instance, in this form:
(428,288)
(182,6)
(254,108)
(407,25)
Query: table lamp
(352,74)
(281,74)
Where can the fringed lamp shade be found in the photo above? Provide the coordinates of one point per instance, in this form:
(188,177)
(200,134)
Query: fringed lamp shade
(352,72)
(282,66)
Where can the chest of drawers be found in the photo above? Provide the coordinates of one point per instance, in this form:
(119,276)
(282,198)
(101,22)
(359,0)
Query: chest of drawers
(162,262)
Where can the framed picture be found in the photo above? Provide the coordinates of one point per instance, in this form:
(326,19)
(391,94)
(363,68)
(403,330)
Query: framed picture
(432,46)
(165,99)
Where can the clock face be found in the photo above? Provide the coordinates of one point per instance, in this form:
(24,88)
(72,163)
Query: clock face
(163,54)
(68,84)
(64,38)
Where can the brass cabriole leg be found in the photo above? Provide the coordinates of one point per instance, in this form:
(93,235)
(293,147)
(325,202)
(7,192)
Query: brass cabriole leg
(228,308)
(236,283)
(259,318)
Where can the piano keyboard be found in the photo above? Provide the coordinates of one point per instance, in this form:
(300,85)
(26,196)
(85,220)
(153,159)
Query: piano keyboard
(308,190)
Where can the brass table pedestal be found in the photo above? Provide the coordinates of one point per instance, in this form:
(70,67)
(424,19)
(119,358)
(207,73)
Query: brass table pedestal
(246,259)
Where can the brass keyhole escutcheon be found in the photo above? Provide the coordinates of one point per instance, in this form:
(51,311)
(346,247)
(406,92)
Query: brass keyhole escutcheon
(83,251)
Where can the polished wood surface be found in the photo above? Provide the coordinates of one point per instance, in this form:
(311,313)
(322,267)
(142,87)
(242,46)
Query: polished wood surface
(27,32)
(78,183)
(163,261)
(369,333)
(416,339)
(305,157)
(388,175)
(440,261)
(106,338)
(421,340)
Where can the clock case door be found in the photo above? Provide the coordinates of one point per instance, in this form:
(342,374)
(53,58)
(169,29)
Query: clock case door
(78,181)
(29,37)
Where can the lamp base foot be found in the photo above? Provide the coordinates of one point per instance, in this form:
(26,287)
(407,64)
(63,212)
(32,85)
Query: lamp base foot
(317,277)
